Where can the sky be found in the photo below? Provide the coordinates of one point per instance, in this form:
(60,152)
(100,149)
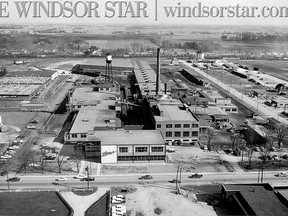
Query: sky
(147,12)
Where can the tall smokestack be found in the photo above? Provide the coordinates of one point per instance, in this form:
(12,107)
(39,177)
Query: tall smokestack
(158,71)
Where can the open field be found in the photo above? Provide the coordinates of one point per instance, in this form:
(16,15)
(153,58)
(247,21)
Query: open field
(121,44)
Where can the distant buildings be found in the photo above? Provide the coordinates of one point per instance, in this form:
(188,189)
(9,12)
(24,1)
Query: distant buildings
(22,88)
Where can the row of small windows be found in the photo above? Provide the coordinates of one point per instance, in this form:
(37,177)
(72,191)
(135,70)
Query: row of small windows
(178,126)
(178,133)
(142,149)
(141,158)
(76,135)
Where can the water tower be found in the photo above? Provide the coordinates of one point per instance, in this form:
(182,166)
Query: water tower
(108,72)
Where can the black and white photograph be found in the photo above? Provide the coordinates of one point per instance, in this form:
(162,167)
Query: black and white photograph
(143,107)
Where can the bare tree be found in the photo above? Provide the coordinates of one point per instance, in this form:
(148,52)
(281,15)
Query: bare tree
(24,159)
(210,134)
(250,137)
(281,133)
(43,154)
(78,156)
(60,162)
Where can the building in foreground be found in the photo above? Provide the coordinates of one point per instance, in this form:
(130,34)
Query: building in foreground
(254,199)
(125,146)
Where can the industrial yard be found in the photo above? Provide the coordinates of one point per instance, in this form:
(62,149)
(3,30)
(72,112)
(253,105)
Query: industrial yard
(161,112)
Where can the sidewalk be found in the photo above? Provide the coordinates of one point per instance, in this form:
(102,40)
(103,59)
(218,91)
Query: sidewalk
(80,204)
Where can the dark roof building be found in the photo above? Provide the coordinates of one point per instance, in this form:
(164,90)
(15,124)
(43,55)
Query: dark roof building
(253,199)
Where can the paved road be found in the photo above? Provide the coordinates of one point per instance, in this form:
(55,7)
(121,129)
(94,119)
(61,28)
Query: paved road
(45,182)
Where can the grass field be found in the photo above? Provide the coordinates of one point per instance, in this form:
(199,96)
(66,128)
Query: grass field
(120,43)
(44,204)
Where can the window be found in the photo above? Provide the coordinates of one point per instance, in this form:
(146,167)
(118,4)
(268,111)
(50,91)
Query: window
(194,133)
(83,135)
(177,125)
(234,110)
(194,125)
(157,149)
(158,125)
(141,149)
(74,135)
(123,149)
(177,134)
(227,110)
(186,134)
(79,106)
(168,125)
(186,125)
(168,134)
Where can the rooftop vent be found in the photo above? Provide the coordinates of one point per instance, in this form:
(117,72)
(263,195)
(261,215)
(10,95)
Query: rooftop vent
(85,120)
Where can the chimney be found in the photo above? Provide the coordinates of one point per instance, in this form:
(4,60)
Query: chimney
(158,71)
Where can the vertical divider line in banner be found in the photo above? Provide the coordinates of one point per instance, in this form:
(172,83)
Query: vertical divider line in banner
(156,9)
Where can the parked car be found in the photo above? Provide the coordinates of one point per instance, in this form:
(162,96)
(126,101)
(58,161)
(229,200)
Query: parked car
(31,127)
(61,179)
(35,121)
(20,137)
(13,179)
(282,174)
(145,177)
(196,175)
(88,179)
(6,156)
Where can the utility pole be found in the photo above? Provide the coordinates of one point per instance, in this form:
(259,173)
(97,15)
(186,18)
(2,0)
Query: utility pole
(8,180)
(87,169)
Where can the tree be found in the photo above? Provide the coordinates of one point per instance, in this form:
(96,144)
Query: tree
(268,143)
(78,156)
(281,133)
(210,134)
(60,162)
(24,159)
(43,154)
(250,137)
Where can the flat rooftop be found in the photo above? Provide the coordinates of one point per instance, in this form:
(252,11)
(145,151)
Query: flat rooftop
(91,118)
(18,90)
(133,137)
(210,110)
(87,96)
(262,201)
(25,80)
(174,113)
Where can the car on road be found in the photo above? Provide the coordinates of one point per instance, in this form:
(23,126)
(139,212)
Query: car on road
(282,174)
(61,179)
(145,177)
(88,179)
(13,179)
(196,175)
(55,183)
(80,176)
(175,180)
